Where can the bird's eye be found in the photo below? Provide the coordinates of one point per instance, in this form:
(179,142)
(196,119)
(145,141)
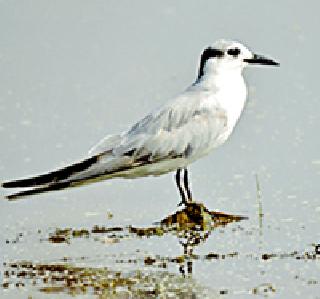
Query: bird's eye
(234,52)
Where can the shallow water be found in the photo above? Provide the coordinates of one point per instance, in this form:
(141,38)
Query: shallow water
(71,73)
(192,253)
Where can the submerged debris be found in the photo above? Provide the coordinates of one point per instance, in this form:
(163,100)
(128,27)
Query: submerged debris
(194,217)
(264,289)
(192,225)
(73,280)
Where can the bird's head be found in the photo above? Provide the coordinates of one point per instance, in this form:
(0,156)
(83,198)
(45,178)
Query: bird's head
(226,55)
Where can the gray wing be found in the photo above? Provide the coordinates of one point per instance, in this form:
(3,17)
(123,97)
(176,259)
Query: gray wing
(105,145)
(188,125)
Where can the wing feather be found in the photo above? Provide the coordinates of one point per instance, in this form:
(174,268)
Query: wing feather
(184,124)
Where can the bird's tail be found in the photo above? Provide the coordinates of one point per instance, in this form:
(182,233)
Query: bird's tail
(37,190)
(55,180)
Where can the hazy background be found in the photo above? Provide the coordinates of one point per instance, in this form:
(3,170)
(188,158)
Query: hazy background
(74,71)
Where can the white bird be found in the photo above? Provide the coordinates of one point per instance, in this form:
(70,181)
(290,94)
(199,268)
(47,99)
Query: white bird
(171,137)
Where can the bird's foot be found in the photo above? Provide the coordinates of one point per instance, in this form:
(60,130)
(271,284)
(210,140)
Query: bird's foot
(181,203)
(185,202)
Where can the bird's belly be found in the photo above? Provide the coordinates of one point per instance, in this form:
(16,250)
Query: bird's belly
(154,169)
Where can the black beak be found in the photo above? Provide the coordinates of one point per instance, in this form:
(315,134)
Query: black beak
(259,59)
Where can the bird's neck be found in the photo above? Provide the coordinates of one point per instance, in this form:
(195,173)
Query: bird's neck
(228,89)
(221,79)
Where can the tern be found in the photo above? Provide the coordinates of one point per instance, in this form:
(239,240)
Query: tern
(186,128)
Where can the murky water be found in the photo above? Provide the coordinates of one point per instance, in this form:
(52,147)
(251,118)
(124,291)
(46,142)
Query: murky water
(193,253)
(71,73)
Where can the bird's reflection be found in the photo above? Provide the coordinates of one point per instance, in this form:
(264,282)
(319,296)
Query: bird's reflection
(192,225)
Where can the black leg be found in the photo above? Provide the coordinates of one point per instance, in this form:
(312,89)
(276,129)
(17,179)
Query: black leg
(181,191)
(186,185)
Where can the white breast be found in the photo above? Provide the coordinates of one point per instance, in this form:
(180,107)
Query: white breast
(228,92)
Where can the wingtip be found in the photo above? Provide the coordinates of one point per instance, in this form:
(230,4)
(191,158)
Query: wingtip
(10,198)
(4,185)
(18,195)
